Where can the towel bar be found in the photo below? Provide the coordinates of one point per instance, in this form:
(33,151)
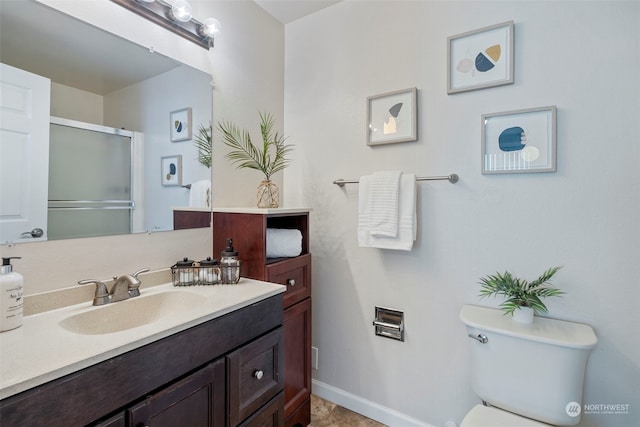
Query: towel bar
(453,178)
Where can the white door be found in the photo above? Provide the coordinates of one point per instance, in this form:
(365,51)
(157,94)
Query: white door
(24,154)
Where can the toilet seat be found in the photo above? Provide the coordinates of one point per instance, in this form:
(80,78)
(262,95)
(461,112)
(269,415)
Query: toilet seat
(484,416)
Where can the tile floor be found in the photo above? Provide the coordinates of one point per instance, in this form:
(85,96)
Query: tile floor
(328,414)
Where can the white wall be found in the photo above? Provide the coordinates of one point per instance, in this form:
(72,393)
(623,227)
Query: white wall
(249,78)
(582,57)
(151,103)
(75,104)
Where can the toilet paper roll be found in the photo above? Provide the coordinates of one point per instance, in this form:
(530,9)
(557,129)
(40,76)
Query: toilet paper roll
(283,242)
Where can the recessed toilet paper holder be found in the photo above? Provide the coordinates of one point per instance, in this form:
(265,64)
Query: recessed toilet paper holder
(389,323)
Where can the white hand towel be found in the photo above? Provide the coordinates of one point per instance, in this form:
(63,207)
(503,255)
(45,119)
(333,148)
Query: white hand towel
(200,194)
(282,242)
(382,203)
(407,222)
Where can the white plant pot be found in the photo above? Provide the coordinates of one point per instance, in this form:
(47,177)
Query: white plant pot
(523,315)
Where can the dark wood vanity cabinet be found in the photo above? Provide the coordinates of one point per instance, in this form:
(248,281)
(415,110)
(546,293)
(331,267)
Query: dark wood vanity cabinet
(186,219)
(197,400)
(226,372)
(248,231)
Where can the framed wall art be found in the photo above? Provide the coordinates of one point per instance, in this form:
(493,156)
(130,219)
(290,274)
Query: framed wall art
(392,117)
(180,125)
(171,170)
(480,59)
(519,141)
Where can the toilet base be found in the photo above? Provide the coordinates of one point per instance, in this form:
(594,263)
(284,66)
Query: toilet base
(483,416)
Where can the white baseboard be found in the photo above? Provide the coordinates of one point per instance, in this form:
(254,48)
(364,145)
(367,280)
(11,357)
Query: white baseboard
(365,407)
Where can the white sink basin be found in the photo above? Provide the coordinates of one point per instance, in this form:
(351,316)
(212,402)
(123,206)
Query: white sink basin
(137,311)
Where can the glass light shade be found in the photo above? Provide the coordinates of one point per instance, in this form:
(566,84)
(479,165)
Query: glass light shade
(181,10)
(211,27)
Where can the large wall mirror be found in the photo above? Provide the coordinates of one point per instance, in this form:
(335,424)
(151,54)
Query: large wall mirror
(120,156)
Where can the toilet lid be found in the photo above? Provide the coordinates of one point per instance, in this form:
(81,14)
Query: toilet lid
(483,416)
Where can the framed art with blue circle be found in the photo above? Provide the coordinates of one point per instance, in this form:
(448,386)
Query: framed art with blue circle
(180,125)
(519,141)
(171,170)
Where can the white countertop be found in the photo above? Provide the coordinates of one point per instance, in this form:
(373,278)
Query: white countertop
(264,211)
(191,209)
(41,350)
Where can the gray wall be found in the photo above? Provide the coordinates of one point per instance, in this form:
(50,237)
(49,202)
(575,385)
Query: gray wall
(582,57)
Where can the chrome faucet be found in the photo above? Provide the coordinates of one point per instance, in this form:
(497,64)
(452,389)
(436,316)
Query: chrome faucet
(124,287)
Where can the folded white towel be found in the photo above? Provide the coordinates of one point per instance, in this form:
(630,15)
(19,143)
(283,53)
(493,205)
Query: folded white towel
(200,194)
(407,222)
(382,203)
(283,242)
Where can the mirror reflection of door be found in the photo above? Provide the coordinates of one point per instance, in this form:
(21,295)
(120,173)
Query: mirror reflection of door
(24,154)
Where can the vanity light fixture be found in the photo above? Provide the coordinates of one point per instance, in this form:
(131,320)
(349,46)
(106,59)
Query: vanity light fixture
(180,10)
(177,18)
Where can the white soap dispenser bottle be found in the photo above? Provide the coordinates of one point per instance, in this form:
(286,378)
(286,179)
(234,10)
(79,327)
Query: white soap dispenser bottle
(10,296)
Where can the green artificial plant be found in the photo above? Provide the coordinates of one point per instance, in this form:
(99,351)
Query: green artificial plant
(202,141)
(519,292)
(269,159)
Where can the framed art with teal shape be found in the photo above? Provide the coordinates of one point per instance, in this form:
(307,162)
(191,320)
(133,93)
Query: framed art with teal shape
(519,141)
(480,59)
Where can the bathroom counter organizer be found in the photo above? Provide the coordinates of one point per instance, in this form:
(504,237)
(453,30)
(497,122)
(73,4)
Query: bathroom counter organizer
(184,273)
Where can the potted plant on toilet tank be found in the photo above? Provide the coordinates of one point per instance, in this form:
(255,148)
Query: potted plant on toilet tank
(269,159)
(522,298)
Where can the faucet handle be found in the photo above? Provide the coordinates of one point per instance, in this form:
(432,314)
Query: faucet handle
(101,296)
(134,288)
(142,270)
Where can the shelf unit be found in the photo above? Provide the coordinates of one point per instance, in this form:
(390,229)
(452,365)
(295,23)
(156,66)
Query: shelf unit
(248,229)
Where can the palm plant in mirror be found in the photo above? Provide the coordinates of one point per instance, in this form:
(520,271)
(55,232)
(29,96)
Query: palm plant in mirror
(269,159)
(523,298)
(202,141)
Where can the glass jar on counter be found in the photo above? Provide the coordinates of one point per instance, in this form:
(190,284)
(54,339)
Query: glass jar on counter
(184,273)
(209,272)
(229,264)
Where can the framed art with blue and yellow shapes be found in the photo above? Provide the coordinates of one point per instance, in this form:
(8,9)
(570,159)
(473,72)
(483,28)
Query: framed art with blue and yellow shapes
(180,121)
(481,58)
(519,141)
(171,170)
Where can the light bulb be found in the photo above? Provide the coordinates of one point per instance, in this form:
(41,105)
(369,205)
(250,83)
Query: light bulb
(181,10)
(210,27)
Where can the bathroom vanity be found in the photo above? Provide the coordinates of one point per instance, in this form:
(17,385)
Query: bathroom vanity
(217,361)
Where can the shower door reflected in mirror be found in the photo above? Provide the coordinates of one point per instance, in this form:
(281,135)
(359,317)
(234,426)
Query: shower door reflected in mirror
(90,181)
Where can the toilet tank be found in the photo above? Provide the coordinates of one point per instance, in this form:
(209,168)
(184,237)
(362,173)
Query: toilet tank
(535,370)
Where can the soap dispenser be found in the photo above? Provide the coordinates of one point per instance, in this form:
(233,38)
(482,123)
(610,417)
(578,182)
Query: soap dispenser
(229,264)
(10,296)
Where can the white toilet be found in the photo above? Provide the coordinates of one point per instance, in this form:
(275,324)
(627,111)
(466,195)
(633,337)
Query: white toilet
(528,375)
